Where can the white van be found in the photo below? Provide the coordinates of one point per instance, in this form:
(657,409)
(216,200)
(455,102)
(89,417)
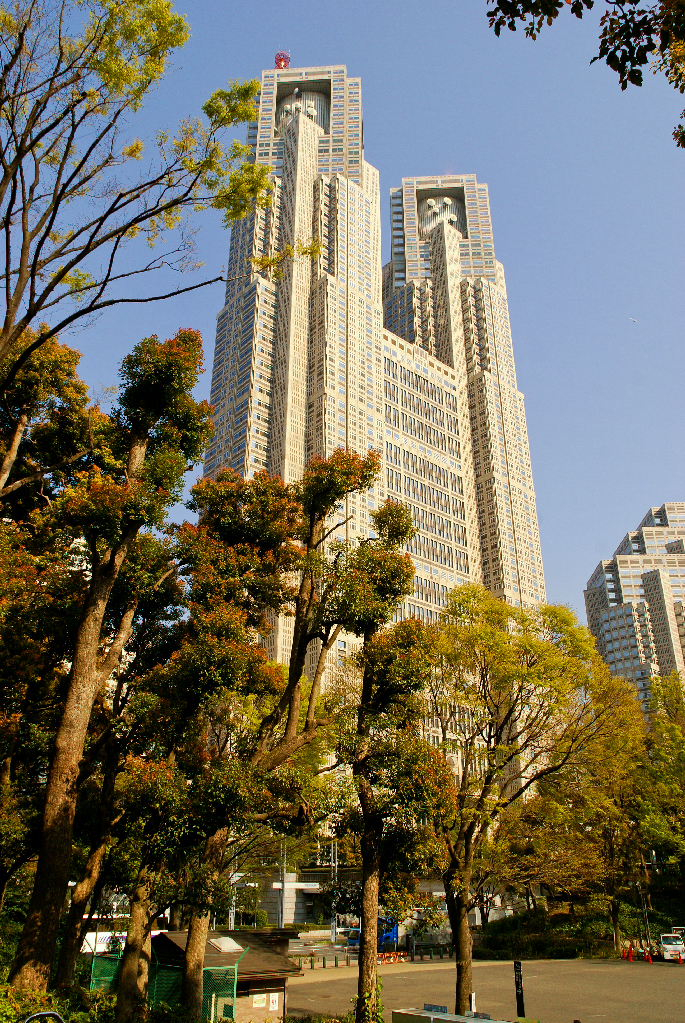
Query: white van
(671,946)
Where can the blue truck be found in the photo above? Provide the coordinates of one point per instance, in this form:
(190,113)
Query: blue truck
(388,935)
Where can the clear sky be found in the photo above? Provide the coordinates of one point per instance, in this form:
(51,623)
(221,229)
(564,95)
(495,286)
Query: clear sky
(587,198)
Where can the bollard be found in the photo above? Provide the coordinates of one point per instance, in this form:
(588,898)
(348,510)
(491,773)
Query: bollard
(422,955)
(623,953)
(323,959)
(347,959)
(431,953)
(311,962)
(440,950)
(336,962)
(630,953)
(299,962)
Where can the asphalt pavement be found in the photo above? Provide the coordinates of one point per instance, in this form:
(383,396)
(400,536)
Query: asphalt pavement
(555,991)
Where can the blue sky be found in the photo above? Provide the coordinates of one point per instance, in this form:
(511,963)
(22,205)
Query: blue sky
(586,191)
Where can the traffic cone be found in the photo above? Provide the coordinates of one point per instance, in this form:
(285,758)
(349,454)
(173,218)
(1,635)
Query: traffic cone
(649,956)
(679,958)
(623,952)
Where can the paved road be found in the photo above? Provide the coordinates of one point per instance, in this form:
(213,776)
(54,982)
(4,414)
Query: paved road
(555,991)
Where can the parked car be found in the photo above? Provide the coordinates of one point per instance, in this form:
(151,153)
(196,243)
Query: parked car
(671,946)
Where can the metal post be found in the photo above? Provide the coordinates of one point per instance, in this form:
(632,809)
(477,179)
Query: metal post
(518,983)
(231,913)
(281,905)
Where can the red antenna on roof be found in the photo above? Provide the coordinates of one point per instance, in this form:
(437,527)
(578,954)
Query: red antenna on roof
(282,58)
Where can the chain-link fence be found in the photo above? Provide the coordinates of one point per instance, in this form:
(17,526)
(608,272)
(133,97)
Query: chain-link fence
(164,985)
(218,993)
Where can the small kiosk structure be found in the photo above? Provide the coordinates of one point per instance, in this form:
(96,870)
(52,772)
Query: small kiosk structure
(245,977)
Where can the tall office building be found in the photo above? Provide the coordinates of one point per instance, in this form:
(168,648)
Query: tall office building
(634,601)
(445,294)
(304,364)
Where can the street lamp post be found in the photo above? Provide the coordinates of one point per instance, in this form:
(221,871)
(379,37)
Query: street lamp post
(334,878)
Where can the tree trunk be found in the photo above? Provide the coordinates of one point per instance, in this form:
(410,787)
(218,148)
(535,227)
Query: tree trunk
(144,967)
(129,986)
(4,881)
(367,991)
(533,900)
(191,997)
(484,907)
(85,890)
(457,896)
(36,949)
(615,907)
(73,935)
(12,449)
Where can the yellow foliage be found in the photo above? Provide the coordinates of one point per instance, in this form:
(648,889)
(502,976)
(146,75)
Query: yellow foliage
(134,150)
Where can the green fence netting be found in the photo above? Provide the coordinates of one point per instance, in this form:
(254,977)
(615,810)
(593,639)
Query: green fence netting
(164,985)
(218,993)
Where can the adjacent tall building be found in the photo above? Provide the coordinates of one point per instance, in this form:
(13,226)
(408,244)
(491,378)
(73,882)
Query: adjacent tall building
(634,601)
(414,359)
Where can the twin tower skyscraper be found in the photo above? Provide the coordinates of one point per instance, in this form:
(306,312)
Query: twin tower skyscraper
(413,358)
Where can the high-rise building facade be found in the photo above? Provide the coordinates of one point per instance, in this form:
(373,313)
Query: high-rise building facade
(634,601)
(304,364)
(444,293)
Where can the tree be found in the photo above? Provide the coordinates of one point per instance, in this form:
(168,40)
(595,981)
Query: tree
(520,694)
(259,530)
(43,420)
(73,208)
(397,781)
(379,740)
(632,33)
(542,841)
(103,522)
(663,820)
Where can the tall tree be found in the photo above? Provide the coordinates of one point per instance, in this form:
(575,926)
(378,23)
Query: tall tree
(521,694)
(155,433)
(398,780)
(254,527)
(632,33)
(75,208)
